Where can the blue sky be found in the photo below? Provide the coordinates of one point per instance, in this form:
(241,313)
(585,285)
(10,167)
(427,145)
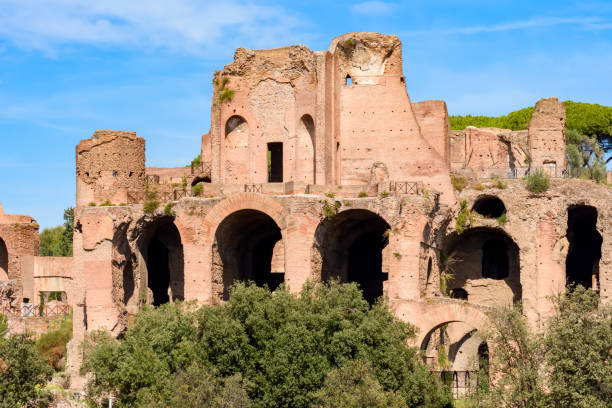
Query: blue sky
(69,67)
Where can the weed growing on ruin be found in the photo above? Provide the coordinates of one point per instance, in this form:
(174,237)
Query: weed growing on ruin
(92,204)
(107,203)
(330,210)
(445,278)
(331,194)
(502,219)
(478,187)
(197,190)
(349,42)
(538,181)
(462,218)
(500,184)
(150,206)
(168,209)
(425,192)
(362,194)
(397,255)
(384,194)
(458,182)
(225,94)
(53,344)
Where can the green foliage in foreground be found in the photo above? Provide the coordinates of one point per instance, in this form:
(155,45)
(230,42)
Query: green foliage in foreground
(22,371)
(285,347)
(568,365)
(52,345)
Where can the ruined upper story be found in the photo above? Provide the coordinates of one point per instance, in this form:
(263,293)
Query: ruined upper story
(291,120)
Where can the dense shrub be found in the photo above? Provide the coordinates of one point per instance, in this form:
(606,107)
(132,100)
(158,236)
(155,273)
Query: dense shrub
(282,344)
(22,371)
(538,181)
(52,345)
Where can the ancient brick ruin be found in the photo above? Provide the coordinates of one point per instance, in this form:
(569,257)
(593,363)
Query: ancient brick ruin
(318,166)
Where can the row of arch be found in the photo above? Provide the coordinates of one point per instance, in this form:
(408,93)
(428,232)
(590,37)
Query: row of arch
(236,152)
(248,246)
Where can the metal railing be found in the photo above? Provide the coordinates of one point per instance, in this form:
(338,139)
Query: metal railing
(461,383)
(514,172)
(203,168)
(404,187)
(32,310)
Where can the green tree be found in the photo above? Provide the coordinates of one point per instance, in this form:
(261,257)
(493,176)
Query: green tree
(585,156)
(22,371)
(354,386)
(50,241)
(578,344)
(282,344)
(66,242)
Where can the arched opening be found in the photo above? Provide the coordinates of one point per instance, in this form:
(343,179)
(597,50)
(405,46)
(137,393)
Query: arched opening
(459,293)
(236,150)
(351,247)
(483,262)
(200,179)
(275,162)
(3,261)
(246,242)
(489,207)
(455,351)
(582,262)
(306,150)
(348,80)
(162,251)
(495,259)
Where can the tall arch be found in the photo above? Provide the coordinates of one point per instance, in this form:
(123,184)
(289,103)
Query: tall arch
(248,247)
(582,262)
(161,250)
(306,150)
(3,261)
(485,263)
(236,149)
(351,248)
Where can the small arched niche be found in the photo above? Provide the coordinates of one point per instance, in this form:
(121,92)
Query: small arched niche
(3,261)
(489,206)
(236,149)
(306,150)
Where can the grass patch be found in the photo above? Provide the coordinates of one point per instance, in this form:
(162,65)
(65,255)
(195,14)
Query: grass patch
(92,204)
(502,219)
(151,206)
(500,184)
(384,194)
(331,194)
(197,190)
(478,186)
(168,209)
(362,194)
(107,203)
(458,182)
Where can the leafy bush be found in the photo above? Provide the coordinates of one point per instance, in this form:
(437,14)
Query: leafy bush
(197,162)
(22,371)
(197,190)
(168,209)
(463,217)
(501,185)
(362,194)
(502,219)
(284,345)
(106,203)
(52,345)
(538,181)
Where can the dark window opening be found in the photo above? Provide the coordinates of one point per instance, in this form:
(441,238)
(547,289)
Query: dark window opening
(114,173)
(3,261)
(275,162)
(348,80)
(351,245)
(200,179)
(26,300)
(582,262)
(164,261)
(245,241)
(459,293)
(483,367)
(489,207)
(495,259)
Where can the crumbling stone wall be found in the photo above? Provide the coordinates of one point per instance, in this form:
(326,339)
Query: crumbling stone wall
(18,238)
(110,167)
(547,135)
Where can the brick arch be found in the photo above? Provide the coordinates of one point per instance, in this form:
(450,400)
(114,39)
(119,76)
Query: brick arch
(448,313)
(244,201)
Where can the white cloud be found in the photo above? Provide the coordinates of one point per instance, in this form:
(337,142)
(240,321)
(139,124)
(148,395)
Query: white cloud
(373,7)
(535,22)
(192,26)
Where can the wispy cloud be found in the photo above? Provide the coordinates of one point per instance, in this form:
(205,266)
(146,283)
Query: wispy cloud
(181,25)
(373,7)
(534,22)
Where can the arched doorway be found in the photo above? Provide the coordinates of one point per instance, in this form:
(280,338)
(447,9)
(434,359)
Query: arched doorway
(351,247)
(162,252)
(306,150)
(3,261)
(489,206)
(248,247)
(582,262)
(484,266)
(457,352)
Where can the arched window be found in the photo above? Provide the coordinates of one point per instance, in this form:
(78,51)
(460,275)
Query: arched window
(236,150)
(306,150)
(348,80)
(3,261)
(582,262)
(489,207)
